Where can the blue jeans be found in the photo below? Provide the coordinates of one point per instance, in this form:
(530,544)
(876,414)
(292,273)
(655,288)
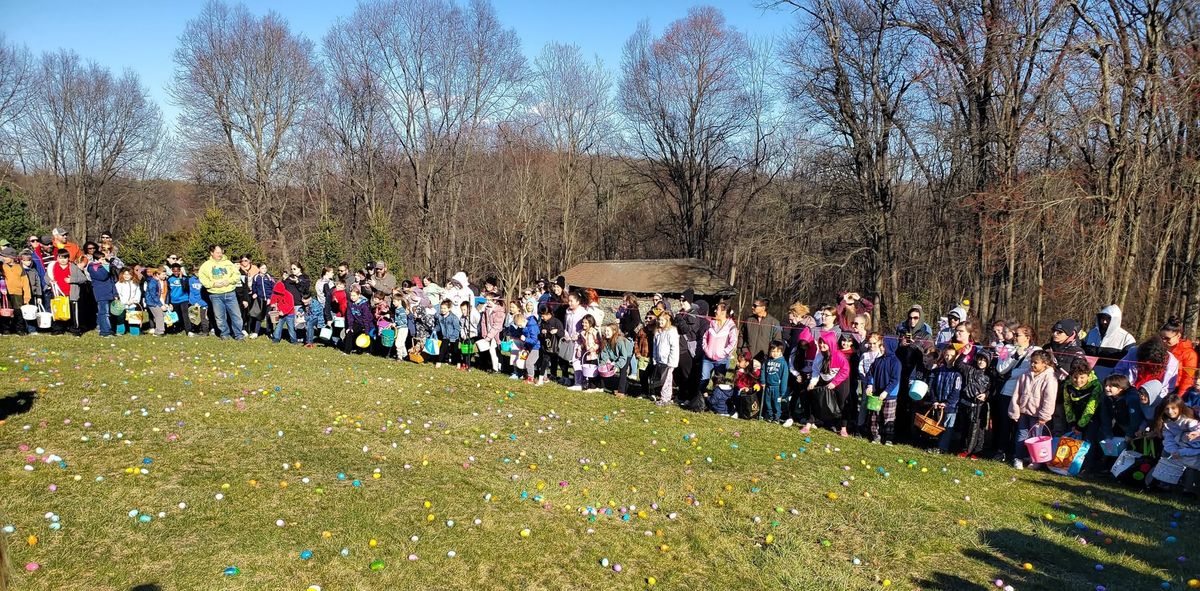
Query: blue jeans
(228,314)
(290,322)
(103,322)
(947,436)
(310,330)
(707,367)
(1026,428)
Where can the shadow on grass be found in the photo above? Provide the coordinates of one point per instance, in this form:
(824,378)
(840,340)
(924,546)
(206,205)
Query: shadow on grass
(16,404)
(1056,566)
(147,587)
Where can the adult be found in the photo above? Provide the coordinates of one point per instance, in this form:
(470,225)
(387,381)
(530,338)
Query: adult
(718,344)
(1183,350)
(795,325)
(963,341)
(915,325)
(946,333)
(1151,361)
(571,329)
(629,315)
(1107,341)
(44,247)
(103,275)
(852,304)
(381,279)
(40,262)
(1063,347)
(326,282)
(65,279)
(691,322)
(108,249)
(242,289)
(760,329)
(1011,363)
(298,284)
(58,238)
(458,290)
(221,277)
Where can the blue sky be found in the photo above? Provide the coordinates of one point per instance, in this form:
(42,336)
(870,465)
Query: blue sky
(141,35)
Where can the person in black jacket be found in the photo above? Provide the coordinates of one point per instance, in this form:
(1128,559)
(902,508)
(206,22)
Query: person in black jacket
(629,315)
(298,284)
(692,323)
(550,330)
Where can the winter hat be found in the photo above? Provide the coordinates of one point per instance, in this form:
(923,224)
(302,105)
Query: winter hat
(688,295)
(561,281)
(1066,326)
(918,308)
(959,312)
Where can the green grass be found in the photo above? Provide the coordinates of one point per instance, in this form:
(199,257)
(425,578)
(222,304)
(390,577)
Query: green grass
(209,414)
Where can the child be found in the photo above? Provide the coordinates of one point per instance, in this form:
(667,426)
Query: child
(945,390)
(531,346)
(617,350)
(1180,433)
(1119,411)
(872,350)
(196,298)
(314,318)
(829,385)
(281,301)
(1032,405)
(549,331)
(972,414)
(468,333)
(447,328)
(666,358)
(720,401)
(774,381)
(852,350)
(359,319)
(156,299)
(745,385)
(401,320)
(587,355)
(1081,396)
(883,380)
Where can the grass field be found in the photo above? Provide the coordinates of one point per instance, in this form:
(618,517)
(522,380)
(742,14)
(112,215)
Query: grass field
(369,461)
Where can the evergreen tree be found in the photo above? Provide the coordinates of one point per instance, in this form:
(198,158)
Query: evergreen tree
(324,247)
(138,249)
(16,223)
(213,228)
(380,244)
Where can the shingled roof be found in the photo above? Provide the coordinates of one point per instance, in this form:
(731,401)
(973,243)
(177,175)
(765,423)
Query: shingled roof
(647,276)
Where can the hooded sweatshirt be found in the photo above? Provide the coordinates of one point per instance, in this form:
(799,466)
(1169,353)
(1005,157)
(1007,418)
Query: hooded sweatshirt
(460,294)
(720,340)
(1109,345)
(282,299)
(1175,439)
(1080,404)
(1034,396)
(884,375)
(839,367)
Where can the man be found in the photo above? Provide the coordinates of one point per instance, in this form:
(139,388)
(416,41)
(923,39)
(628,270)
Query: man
(761,329)
(221,277)
(914,326)
(48,253)
(38,259)
(381,280)
(1108,341)
(946,334)
(59,238)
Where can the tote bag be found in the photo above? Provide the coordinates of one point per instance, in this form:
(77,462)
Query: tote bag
(1068,456)
(432,346)
(60,307)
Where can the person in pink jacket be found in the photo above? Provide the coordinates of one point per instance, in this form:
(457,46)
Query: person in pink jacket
(1032,404)
(491,325)
(718,344)
(829,386)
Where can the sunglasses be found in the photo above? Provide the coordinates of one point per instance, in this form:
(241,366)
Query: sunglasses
(914,317)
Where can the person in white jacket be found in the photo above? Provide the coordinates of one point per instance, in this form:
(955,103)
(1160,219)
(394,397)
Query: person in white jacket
(1180,433)
(666,358)
(459,291)
(1107,341)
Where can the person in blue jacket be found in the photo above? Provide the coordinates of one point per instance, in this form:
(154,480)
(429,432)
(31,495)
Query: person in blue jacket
(196,297)
(774,380)
(883,380)
(944,394)
(104,289)
(177,297)
(260,291)
(448,329)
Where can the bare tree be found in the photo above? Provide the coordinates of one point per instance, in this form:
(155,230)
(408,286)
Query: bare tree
(16,83)
(243,84)
(687,99)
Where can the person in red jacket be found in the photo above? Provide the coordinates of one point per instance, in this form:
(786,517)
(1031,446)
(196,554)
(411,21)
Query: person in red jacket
(1182,349)
(284,304)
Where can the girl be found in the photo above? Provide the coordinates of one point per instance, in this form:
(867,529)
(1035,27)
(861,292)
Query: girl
(129,293)
(829,385)
(872,349)
(261,288)
(617,350)
(718,343)
(972,414)
(643,350)
(156,299)
(1180,433)
(629,315)
(468,333)
(1171,334)
(745,383)
(945,390)
(851,349)
(666,358)
(512,332)
(400,318)
(1032,404)
(593,306)
(1012,362)
(297,283)
(587,355)
(530,345)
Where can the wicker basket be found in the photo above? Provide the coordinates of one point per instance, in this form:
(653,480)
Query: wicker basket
(928,425)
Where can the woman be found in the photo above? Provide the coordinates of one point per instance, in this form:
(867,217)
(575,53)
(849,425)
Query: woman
(643,350)
(963,341)
(829,386)
(593,306)
(617,351)
(1012,363)
(795,325)
(247,270)
(629,315)
(297,283)
(851,305)
(1182,349)
(1150,361)
(156,299)
(666,358)
(717,344)
(325,285)
(260,291)
(129,293)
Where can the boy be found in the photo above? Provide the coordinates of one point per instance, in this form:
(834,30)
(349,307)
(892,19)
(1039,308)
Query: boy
(281,301)
(468,333)
(359,319)
(774,381)
(550,330)
(196,298)
(1081,396)
(448,328)
(314,318)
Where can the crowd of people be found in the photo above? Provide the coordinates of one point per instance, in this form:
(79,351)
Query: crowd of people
(955,388)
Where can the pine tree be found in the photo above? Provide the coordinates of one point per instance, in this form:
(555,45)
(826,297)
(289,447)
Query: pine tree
(16,223)
(380,244)
(324,248)
(215,229)
(138,249)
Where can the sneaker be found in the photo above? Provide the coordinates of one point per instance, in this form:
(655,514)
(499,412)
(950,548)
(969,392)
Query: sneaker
(529,380)
(575,388)
(805,429)
(514,377)
(254,335)
(594,390)
(1000,457)
(309,346)
(789,423)
(662,402)
(437,365)
(244,333)
(541,382)
(1018,464)
(843,433)
(877,439)
(888,443)
(191,334)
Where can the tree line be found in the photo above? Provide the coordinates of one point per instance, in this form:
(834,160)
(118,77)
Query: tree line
(1036,156)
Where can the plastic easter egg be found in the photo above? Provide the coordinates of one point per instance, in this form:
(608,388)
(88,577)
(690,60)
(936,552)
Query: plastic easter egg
(363,341)
(305,555)
(525,533)
(232,571)
(1027,566)
(280,523)
(1194,583)
(1171,539)
(377,565)
(32,566)
(651,581)
(451,554)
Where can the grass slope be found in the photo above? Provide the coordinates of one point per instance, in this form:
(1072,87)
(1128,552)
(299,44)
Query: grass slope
(687,499)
